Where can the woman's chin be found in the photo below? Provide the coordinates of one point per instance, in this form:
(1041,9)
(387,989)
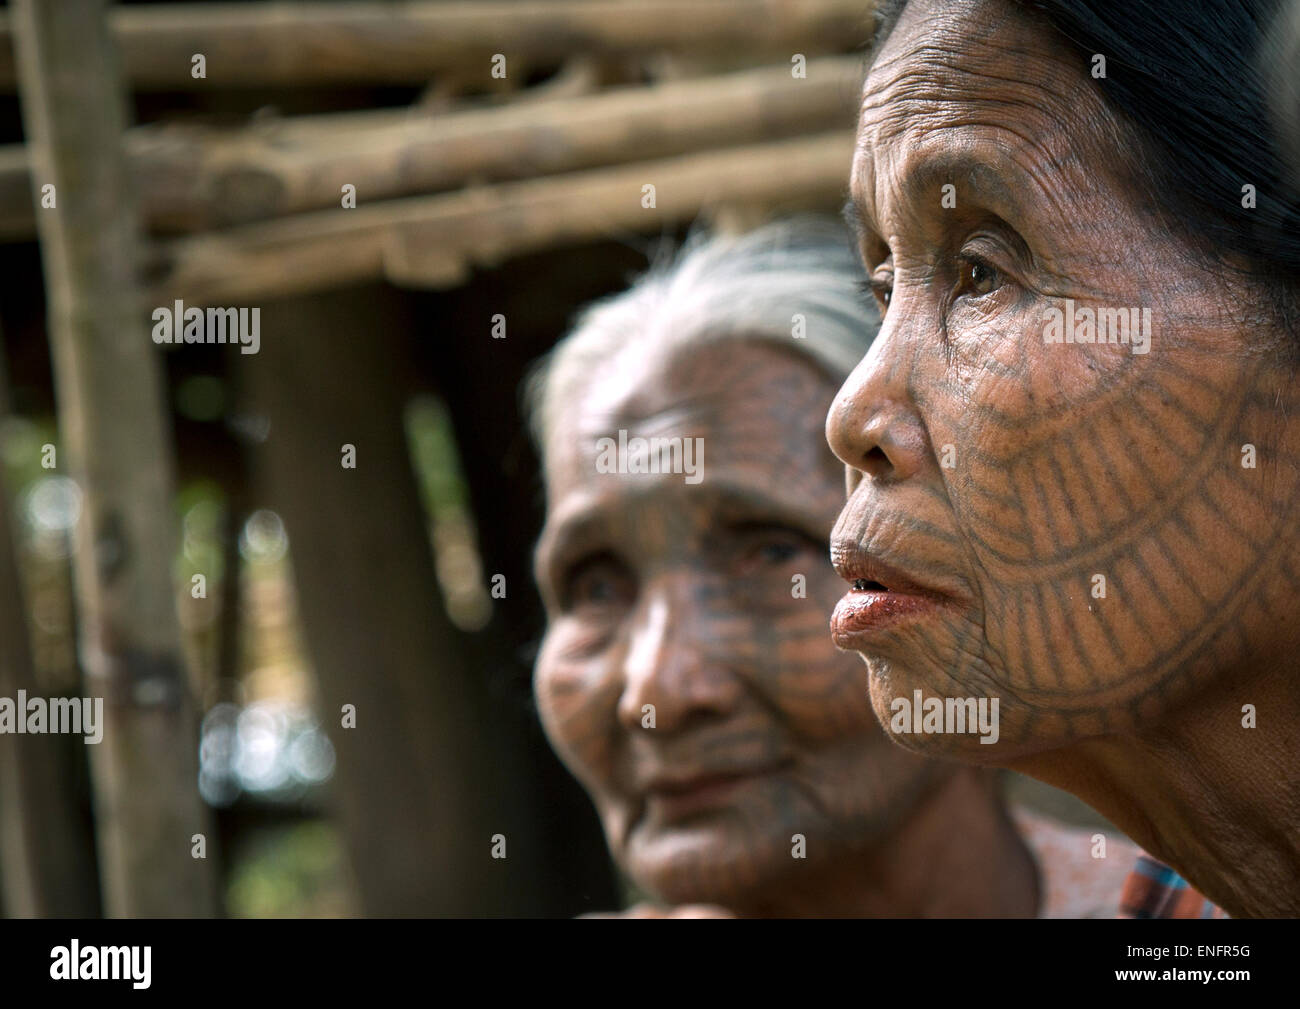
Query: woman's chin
(702,866)
(932,716)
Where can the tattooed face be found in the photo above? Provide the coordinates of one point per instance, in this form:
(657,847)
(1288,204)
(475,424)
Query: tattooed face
(1043,510)
(686,677)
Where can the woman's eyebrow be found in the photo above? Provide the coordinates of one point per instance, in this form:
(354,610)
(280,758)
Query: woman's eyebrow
(854,220)
(739,502)
(976,180)
(975,175)
(865,237)
(574,532)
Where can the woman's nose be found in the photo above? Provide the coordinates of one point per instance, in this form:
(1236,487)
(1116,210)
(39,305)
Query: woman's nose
(873,426)
(672,677)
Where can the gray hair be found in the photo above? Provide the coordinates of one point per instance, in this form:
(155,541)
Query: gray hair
(746,287)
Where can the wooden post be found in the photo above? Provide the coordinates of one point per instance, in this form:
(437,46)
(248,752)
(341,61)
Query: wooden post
(46,871)
(419,788)
(111,415)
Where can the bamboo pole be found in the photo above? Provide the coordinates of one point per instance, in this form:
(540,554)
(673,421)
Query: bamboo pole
(432,241)
(110,402)
(195,177)
(295,44)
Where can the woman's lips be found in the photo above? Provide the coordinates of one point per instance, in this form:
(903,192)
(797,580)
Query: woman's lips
(864,614)
(703,794)
(883,596)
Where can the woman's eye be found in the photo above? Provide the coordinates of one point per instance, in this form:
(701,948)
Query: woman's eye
(882,286)
(774,548)
(778,552)
(977,278)
(593,588)
(599,582)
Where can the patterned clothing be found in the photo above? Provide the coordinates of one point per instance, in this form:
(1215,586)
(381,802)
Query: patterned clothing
(1071,883)
(1153,890)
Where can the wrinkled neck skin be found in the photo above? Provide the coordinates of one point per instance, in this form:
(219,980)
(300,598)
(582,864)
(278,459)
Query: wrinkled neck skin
(957,855)
(1221,807)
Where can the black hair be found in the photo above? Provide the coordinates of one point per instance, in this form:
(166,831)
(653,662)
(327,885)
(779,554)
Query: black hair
(1197,84)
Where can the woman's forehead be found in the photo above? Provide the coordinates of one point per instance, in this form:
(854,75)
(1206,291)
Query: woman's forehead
(971,60)
(989,99)
(715,385)
(744,411)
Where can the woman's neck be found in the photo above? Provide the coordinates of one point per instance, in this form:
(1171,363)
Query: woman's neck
(956,855)
(1216,799)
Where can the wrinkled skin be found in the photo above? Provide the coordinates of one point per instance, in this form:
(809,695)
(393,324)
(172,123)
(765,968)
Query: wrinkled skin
(682,596)
(1071,461)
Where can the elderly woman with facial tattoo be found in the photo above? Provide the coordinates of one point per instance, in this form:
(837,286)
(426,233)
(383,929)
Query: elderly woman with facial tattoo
(1104,541)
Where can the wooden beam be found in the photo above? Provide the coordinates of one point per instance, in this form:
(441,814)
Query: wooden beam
(193,177)
(296,44)
(111,416)
(433,241)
